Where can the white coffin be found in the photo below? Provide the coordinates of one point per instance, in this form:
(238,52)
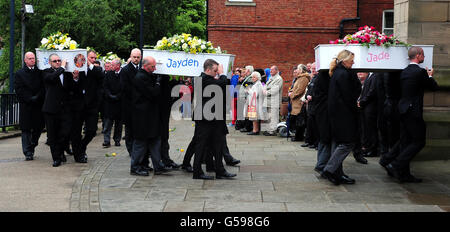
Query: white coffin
(374,58)
(70,55)
(187,64)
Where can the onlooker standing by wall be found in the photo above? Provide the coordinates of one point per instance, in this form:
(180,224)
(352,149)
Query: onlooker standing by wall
(274,88)
(255,103)
(295,94)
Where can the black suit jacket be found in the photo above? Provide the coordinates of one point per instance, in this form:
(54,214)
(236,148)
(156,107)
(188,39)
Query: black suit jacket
(146,114)
(368,99)
(413,82)
(127,74)
(59,97)
(30,93)
(92,84)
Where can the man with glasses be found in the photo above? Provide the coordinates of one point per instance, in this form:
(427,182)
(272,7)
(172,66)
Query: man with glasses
(62,91)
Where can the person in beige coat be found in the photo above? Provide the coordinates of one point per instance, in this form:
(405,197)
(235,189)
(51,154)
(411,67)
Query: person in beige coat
(273,90)
(295,94)
(255,97)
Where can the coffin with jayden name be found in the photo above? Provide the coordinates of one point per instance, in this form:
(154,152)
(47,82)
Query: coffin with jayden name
(374,58)
(76,59)
(187,64)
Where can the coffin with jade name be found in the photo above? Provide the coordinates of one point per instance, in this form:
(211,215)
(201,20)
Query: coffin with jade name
(187,64)
(76,59)
(374,58)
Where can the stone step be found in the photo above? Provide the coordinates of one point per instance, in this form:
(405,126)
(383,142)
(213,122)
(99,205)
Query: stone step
(435,149)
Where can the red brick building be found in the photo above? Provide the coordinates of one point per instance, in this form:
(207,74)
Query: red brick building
(284,32)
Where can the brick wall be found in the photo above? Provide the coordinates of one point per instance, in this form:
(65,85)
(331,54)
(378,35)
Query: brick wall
(283,32)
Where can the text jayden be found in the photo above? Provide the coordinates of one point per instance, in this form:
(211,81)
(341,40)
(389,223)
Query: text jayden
(182,63)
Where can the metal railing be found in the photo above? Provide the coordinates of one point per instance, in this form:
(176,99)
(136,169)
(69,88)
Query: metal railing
(9,110)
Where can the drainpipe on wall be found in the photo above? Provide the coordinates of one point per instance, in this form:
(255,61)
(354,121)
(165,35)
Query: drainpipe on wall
(207,14)
(344,20)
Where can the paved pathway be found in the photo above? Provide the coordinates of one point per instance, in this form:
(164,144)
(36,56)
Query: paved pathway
(275,175)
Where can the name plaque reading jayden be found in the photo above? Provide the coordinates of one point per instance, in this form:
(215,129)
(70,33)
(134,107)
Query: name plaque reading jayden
(187,64)
(373,58)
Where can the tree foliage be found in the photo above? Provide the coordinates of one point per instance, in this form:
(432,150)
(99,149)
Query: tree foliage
(102,24)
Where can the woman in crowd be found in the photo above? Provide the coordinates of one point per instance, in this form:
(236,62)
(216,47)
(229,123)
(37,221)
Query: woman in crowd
(297,91)
(255,101)
(343,95)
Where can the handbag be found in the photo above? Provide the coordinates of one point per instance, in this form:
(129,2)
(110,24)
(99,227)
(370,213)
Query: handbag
(251,109)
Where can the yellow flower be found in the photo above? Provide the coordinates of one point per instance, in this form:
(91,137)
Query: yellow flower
(72,46)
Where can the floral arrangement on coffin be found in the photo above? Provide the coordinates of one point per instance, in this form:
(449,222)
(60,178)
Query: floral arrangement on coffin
(58,41)
(109,57)
(369,36)
(187,43)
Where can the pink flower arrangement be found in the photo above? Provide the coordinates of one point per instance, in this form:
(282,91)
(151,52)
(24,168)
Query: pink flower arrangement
(369,36)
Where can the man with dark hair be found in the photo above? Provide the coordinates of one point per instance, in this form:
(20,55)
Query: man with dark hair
(30,92)
(413,82)
(63,91)
(113,105)
(210,129)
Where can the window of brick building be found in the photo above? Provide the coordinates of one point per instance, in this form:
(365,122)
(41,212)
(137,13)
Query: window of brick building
(240,3)
(388,22)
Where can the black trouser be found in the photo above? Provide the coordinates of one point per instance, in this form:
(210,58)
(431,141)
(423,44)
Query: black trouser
(370,131)
(225,154)
(312,136)
(209,139)
(117,130)
(297,122)
(75,135)
(30,140)
(143,149)
(412,140)
(128,138)
(90,119)
(58,132)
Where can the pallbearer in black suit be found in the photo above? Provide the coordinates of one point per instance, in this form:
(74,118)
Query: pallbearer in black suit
(30,92)
(210,123)
(62,92)
(368,104)
(127,74)
(113,104)
(92,93)
(413,81)
(146,118)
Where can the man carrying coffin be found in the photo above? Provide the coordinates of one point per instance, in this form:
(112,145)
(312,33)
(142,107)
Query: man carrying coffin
(210,126)
(30,92)
(92,94)
(126,76)
(413,81)
(62,90)
(146,118)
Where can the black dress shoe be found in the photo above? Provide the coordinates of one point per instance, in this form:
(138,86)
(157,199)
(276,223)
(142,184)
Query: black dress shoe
(83,160)
(148,168)
(173,165)
(360,159)
(243,130)
(384,166)
(56,163)
(69,151)
(411,179)
(344,179)
(161,171)
(117,144)
(225,175)
(393,172)
(370,154)
(139,173)
(106,145)
(253,133)
(312,146)
(29,156)
(319,171)
(305,145)
(266,133)
(203,177)
(331,177)
(187,168)
(233,162)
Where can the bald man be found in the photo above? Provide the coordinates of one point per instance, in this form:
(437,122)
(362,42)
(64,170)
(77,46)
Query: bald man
(30,92)
(127,74)
(146,118)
